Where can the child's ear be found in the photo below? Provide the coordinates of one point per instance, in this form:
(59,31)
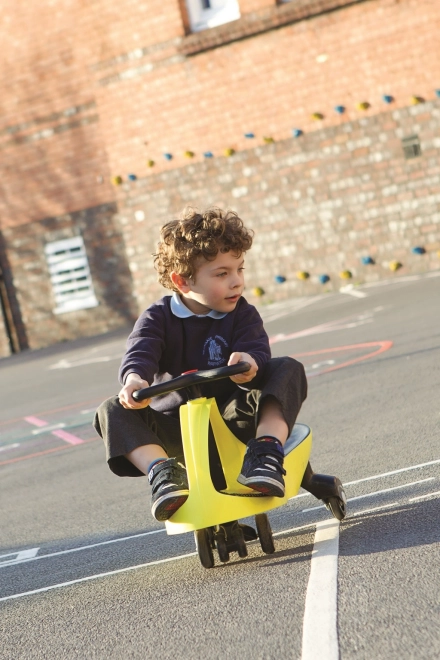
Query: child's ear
(180,282)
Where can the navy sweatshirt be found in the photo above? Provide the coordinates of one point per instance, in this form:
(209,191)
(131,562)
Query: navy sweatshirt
(163,345)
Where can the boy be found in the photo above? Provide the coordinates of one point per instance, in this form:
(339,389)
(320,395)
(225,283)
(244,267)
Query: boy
(205,323)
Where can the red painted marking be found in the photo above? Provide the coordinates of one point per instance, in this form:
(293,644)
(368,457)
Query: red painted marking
(191,371)
(81,404)
(383,346)
(36,421)
(42,453)
(330,326)
(68,437)
(314,330)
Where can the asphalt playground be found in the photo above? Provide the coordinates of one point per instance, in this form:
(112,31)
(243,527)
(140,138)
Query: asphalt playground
(86,572)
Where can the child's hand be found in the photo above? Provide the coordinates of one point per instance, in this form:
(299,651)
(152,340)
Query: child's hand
(248,375)
(132,384)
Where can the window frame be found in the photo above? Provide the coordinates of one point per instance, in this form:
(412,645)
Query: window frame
(70,276)
(218,13)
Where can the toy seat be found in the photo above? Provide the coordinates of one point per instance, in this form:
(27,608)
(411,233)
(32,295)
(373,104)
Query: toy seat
(207,507)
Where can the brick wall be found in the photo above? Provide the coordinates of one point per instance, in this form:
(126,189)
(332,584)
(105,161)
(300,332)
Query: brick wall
(32,289)
(97,90)
(52,155)
(266,73)
(318,204)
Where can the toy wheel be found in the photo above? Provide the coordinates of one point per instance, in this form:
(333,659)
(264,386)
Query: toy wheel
(240,543)
(211,536)
(337,505)
(204,549)
(265,533)
(222,548)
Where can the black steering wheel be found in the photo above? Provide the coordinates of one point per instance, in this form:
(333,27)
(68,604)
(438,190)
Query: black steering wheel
(190,379)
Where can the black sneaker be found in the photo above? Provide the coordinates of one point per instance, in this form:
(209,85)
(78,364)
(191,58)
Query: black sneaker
(169,488)
(263,466)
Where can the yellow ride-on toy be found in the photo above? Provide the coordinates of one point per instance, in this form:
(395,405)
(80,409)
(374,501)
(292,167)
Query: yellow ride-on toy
(213,459)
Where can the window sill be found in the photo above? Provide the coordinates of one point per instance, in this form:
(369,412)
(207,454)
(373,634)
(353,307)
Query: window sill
(258,22)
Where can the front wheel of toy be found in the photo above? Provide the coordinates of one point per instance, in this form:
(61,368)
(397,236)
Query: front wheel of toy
(222,547)
(204,549)
(265,533)
(337,505)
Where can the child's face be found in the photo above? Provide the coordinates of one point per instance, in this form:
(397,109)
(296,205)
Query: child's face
(218,284)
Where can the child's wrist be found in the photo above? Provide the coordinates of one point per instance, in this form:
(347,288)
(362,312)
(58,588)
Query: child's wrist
(134,379)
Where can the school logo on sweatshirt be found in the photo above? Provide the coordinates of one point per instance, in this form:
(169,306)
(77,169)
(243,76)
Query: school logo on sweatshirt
(214,349)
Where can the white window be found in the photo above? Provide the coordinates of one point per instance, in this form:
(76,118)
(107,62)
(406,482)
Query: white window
(209,13)
(70,275)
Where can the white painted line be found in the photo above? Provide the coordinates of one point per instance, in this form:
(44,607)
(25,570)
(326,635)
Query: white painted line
(340,324)
(65,364)
(398,280)
(19,556)
(85,547)
(377,492)
(388,490)
(317,365)
(351,291)
(129,568)
(389,474)
(13,446)
(280,310)
(314,508)
(47,429)
(296,497)
(424,497)
(23,560)
(95,577)
(377,508)
(320,634)
(294,529)
(376,476)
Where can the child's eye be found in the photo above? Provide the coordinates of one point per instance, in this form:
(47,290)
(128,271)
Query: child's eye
(221,274)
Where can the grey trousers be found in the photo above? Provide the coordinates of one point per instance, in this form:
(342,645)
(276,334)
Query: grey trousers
(124,430)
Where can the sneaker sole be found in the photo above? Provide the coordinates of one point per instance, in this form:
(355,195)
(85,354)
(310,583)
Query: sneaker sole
(267,487)
(167,505)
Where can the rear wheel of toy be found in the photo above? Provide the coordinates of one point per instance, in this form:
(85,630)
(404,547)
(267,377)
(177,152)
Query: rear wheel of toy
(265,533)
(240,543)
(222,548)
(204,549)
(337,505)
(211,536)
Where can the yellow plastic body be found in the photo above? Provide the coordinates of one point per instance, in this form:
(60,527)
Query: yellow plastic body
(205,506)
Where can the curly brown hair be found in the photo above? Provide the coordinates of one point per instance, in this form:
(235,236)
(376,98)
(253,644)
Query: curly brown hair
(195,236)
